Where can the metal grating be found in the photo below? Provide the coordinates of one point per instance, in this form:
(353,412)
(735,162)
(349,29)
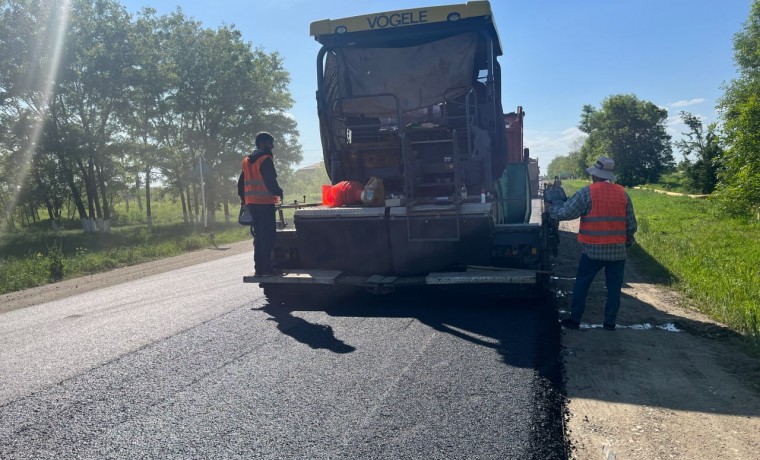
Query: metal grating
(464,209)
(322,212)
(483,277)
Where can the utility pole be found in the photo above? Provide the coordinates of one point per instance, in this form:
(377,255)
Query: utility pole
(203,192)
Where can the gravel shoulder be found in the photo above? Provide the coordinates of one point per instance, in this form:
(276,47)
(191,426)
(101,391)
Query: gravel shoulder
(645,391)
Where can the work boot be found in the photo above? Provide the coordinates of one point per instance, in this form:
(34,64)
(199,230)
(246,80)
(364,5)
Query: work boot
(570,323)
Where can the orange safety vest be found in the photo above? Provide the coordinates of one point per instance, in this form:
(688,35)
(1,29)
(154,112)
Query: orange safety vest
(605,224)
(256,191)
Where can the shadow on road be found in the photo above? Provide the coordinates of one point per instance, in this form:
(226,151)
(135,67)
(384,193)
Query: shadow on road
(513,327)
(525,333)
(313,335)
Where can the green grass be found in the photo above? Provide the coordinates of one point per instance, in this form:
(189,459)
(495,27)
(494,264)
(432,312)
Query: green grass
(34,258)
(163,211)
(711,258)
(36,255)
(673,182)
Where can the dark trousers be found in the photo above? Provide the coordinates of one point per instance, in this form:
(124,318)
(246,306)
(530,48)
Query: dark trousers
(613,275)
(264,234)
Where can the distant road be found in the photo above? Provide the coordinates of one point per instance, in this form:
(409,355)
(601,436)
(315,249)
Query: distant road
(192,363)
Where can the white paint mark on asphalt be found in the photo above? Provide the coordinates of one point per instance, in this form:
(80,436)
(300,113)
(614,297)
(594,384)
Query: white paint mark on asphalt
(669,327)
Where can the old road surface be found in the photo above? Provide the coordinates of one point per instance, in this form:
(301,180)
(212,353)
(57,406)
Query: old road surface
(192,363)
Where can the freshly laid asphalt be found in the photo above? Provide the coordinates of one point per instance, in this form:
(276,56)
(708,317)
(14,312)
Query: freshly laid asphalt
(195,364)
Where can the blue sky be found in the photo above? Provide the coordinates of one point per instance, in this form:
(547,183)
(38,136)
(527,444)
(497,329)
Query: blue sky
(558,55)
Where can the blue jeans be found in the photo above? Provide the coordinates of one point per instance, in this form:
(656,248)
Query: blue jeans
(587,270)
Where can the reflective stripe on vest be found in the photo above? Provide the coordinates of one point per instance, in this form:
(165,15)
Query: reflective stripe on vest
(605,224)
(255,189)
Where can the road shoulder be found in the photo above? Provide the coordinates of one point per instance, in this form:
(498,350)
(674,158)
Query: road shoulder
(645,390)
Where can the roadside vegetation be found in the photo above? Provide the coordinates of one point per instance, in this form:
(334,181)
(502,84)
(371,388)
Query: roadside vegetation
(720,159)
(671,182)
(708,256)
(39,254)
(42,257)
(120,103)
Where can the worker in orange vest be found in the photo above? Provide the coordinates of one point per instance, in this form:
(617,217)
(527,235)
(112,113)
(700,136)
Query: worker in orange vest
(606,232)
(258,190)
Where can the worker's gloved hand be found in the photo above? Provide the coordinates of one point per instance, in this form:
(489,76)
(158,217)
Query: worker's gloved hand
(282,198)
(554,195)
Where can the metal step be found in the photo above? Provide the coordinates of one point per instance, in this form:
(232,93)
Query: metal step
(297,277)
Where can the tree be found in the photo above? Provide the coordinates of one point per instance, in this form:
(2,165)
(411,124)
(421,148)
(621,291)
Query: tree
(93,86)
(631,132)
(570,165)
(739,179)
(702,173)
(227,93)
(94,100)
(30,32)
(146,111)
(306,182)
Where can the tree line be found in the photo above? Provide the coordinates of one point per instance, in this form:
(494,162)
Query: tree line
(633,133)
(722,159)
(97,104)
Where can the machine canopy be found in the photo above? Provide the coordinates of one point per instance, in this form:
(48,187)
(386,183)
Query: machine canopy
(419,76)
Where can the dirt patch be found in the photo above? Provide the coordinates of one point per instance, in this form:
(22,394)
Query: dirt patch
(63,289)
(668,383)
